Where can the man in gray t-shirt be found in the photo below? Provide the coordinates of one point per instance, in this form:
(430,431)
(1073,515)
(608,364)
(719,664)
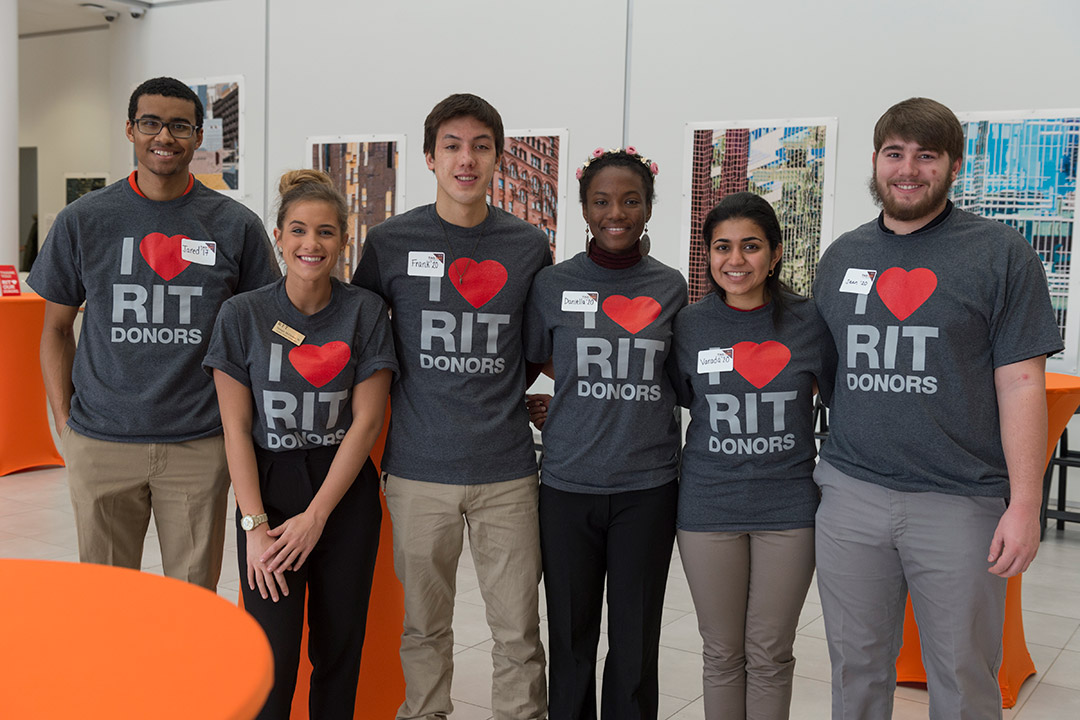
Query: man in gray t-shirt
(153,256)
(931,476)
(459,452)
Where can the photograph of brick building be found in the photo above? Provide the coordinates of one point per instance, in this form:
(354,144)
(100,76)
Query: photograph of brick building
(788,165)
(526,182)
(217,163)
(366,173)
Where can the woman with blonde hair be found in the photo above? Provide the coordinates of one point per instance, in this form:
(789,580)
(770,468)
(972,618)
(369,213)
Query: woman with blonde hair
(302,369)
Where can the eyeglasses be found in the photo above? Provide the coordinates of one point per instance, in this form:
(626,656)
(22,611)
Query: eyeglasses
(152,126)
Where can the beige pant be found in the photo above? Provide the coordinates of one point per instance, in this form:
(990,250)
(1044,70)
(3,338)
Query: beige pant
(429,520)
(115,485)
(748,590)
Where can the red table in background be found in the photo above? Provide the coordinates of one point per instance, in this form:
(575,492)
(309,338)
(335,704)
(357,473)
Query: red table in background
(25,438)
(103,643)
(1062,399)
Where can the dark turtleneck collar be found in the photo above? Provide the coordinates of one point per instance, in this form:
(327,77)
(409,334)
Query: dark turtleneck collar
(612,261)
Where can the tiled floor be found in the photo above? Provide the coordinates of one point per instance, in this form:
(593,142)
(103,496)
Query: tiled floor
(36,522)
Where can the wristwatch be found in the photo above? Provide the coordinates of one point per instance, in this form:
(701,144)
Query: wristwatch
(250,522)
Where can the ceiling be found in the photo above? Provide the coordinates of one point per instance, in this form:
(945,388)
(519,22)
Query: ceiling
(48,16)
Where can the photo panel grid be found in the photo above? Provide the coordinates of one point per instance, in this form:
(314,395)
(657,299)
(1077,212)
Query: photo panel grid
(788,162)
(365,168)
(1019,168)
(218,162)
(530,181)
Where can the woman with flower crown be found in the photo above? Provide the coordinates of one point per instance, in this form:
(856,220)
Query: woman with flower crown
(609,486)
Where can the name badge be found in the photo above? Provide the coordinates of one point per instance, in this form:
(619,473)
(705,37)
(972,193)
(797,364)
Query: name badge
(858,281)
(580,301)
(427,264)
(288,333)
(715,360)
(200,252)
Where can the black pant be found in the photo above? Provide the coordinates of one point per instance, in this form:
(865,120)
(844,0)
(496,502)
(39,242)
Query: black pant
(337,576)
(629,537)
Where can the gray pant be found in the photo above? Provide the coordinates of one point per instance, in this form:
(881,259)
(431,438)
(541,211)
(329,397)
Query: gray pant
(874,545)
(748,589)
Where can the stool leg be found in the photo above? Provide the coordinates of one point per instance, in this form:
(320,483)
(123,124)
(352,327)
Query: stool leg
(1047,479)
(1062,479)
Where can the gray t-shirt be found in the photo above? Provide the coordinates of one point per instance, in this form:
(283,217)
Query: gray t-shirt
(457,298)
(915,408)
(610,426)
(748,462)
(302,393)
(153,276)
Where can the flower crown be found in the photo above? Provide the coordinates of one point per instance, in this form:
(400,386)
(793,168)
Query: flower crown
(629,150)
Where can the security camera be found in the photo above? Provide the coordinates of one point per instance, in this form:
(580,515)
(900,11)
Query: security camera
(111,15)
(137,13)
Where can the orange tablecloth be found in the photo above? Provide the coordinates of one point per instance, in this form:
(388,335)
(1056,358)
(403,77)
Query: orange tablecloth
(25,438)
(91,641)
(381,689)
(1062,399)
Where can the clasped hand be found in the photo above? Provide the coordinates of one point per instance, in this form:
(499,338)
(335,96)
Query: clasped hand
(271,552)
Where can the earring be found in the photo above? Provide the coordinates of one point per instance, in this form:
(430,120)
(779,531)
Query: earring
(771,273)
(645,241)
(588,239)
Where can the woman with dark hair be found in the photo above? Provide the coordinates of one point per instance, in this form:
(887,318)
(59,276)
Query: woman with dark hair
(750,355)
(608,489)
(302,369)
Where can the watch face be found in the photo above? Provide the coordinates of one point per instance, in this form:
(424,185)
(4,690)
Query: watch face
(247,522)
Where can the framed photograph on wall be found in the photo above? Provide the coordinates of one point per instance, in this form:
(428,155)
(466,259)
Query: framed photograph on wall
(78,184)
(219,161)
(530,182)
(1019,168)
(789,162)
(367,170)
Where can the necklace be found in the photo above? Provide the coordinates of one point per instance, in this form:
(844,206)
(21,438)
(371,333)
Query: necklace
(446,233)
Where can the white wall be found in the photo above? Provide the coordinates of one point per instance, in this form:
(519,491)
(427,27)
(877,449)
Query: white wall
(850,59)
(380,67)
(338,67)
(64,112)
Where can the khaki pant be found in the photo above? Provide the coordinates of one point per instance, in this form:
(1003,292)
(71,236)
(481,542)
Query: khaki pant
(748,590)
(115,485)
(429,520)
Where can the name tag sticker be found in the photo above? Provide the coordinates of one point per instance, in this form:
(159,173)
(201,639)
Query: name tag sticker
(288,333)
(580,301)
(858,281)
(427,264)
(200,252)
(715,360)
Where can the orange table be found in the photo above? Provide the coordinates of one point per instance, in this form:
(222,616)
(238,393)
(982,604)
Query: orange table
(25,438)
(381,689)
(91,641)
(1062,399)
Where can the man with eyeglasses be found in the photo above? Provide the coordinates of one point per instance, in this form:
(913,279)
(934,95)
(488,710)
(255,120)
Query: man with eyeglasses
(153,256)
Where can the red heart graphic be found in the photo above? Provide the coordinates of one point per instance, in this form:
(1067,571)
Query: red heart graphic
(759,364)
(632,315)
(162,253)
(477,282)
(320,365)
(904,291)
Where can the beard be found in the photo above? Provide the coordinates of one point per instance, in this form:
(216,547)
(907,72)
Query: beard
(908,212)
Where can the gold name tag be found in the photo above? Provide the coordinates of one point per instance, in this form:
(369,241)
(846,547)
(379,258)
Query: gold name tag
(288,333)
